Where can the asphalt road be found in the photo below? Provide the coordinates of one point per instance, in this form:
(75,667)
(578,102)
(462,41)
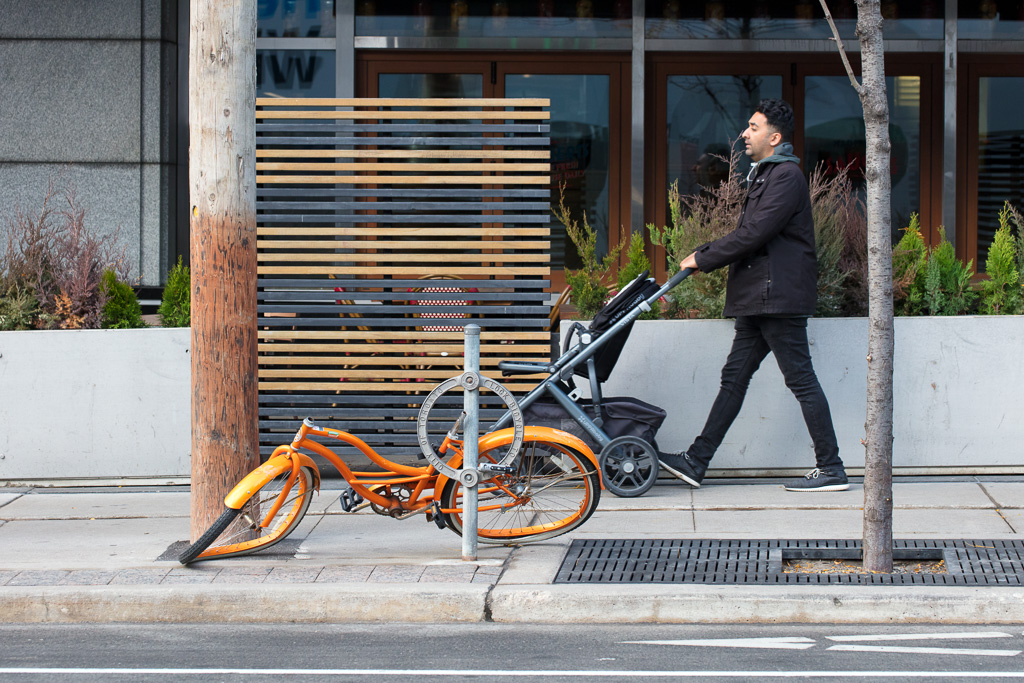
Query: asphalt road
(492,652)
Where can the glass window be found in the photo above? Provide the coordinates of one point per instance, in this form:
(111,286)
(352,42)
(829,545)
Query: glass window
(706,115)
(996,19)
(580,151)
(786,19)
(834,136)
(1000,164)
(295,73)
(430,85)
(295,18)
(496,18)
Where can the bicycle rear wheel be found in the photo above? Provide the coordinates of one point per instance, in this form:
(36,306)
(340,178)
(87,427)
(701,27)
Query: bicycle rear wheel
(554,489)
(240,532)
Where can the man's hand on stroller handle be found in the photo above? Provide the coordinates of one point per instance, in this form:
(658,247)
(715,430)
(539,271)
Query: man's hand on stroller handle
(689,262)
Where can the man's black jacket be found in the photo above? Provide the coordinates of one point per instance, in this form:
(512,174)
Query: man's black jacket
(773,266)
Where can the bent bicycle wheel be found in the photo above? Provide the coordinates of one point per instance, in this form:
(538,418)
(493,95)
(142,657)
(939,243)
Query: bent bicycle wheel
(554,489)
(240,532)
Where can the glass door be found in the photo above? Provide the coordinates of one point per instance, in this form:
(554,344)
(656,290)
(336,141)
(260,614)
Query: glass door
(585,146)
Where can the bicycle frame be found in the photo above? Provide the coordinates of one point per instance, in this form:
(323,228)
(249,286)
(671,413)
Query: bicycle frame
(424,484)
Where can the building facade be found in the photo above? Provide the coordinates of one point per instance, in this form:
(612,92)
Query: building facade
(644,93)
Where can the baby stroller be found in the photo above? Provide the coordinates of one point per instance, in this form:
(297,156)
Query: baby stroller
(620,429)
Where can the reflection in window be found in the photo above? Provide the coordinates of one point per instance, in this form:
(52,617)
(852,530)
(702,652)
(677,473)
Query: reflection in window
(787,19)
(834,137)
(295,73)
(497,18)
(706,114)
(1000,154)
(994,19)
(579,151)
(295,18)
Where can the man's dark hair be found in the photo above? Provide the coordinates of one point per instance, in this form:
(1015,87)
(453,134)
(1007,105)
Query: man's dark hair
(779,115)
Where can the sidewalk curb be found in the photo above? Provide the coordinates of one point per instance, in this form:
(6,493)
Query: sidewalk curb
(652,603)
(309,603)
(538,604)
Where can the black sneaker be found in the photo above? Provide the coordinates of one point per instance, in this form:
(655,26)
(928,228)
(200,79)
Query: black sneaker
(821,480)
(681,466)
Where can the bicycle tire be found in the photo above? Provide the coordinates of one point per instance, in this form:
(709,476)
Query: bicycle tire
(245,535)
(209,536)
(559,490)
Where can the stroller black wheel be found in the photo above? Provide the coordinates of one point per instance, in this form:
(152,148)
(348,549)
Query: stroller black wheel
(629,466)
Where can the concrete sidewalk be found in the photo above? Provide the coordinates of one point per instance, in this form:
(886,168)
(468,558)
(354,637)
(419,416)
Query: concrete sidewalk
(104,555)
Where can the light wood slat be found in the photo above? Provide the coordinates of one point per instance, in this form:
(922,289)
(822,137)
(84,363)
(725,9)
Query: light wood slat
(381,257)
(403,180)
(389,334)
(413,358)
(390,347)
(391,387)
(413,115)
(369,270)
(404,153)
(391,244)
(402,102)
(470,231)
(410,167)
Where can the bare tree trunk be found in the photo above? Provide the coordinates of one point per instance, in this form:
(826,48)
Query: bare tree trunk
(877,532)
(222,182)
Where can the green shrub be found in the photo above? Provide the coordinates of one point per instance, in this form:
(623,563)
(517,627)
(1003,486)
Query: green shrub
(121,310)
(174,309)
(909,257)
(18,308)
(947,281)
(696,220)
(1001,293)
(930,281)
(636,263)
(588,286)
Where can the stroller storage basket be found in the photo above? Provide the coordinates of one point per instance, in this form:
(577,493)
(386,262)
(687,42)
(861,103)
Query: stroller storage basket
(623,416)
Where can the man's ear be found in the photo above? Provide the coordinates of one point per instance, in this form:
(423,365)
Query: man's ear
(775,139)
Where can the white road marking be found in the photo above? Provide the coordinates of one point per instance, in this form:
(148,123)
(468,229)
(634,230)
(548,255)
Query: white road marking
(783,643)
(925,650)
(922,636)
(931,675)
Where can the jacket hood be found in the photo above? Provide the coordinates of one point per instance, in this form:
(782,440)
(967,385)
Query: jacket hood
(783,153)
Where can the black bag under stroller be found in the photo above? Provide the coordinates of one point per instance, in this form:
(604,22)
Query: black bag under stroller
(621,430)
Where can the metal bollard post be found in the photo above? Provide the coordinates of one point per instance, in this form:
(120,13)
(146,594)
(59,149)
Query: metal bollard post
(470,442)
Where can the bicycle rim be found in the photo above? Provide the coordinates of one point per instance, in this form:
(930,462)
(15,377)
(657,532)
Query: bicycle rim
(246,535)
(554,490)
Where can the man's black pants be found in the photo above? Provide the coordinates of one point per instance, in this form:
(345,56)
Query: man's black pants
(787,339)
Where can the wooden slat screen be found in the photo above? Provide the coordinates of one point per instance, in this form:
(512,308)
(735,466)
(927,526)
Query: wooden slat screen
(383,227)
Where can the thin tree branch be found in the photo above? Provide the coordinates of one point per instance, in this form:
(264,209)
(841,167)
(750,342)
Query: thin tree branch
(842,49)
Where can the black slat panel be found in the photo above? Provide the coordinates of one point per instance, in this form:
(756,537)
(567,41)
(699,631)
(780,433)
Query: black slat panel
(391,311)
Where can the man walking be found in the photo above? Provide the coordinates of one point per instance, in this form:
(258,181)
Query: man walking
(772,291)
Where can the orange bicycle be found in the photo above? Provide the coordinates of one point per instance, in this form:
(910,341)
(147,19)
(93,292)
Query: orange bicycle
(534,483)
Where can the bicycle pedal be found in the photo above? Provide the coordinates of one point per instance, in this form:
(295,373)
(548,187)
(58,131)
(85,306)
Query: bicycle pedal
(436,516)
(349,500)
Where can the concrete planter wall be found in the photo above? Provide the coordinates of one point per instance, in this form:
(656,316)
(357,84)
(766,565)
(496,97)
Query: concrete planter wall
(95,404)
(115,404)
(958,392)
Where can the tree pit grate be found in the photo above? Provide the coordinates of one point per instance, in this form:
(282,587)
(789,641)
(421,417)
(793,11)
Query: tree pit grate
(710,561)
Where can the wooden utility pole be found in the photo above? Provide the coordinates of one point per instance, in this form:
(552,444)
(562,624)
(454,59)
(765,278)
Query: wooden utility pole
(877,532)
(222,223)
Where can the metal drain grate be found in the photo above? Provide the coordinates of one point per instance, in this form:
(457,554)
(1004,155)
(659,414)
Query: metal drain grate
(968,563)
